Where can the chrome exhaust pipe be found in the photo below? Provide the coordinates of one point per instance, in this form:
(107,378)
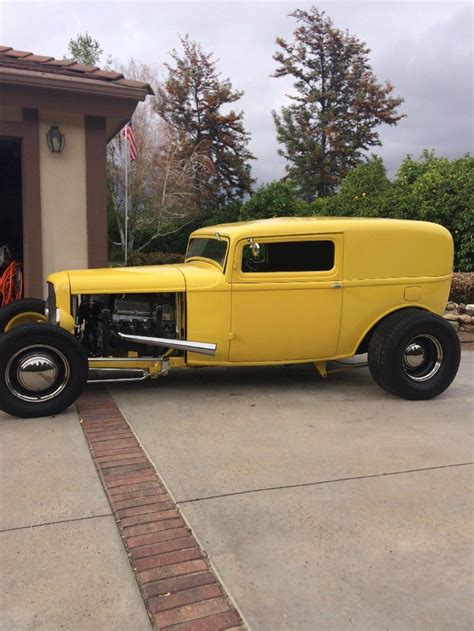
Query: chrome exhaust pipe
(106,375)
(204,348)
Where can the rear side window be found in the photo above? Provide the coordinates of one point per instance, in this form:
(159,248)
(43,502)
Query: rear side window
(289,256)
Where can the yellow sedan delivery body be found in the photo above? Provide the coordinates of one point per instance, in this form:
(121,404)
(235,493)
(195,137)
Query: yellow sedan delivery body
(381,265)
(282,290)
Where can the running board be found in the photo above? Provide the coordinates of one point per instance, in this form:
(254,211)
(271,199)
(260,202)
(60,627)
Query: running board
(204,348)
(104,375)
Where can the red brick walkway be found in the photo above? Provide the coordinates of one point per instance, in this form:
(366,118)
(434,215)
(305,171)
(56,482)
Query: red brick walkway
(179,588)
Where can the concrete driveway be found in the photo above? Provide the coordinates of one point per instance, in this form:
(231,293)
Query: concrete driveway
(62,563)
(322,504)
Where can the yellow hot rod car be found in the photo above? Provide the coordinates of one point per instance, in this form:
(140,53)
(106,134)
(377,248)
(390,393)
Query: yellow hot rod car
(277,291)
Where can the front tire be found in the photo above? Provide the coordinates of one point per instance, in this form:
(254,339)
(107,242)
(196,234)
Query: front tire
(24,311)
(414,354)
(43,370)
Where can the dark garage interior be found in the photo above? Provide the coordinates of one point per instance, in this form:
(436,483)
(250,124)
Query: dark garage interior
(11,233)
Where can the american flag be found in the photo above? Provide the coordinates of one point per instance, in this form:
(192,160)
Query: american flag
(129,135)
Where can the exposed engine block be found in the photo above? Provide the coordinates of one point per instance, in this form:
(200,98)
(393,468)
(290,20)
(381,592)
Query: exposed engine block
(101,318)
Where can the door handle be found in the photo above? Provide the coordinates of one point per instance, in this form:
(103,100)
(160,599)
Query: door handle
(336,285)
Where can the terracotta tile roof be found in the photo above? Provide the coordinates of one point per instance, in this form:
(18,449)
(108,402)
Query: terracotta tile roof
(23,60)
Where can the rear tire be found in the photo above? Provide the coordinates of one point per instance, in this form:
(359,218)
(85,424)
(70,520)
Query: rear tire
(43,370)
(24,311)
(414,354)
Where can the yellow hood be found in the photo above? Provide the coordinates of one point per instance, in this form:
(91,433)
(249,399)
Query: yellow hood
(200,275)
(147,279)
(153,278)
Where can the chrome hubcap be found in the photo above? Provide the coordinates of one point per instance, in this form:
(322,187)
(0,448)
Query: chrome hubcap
(422,358)
(37,373)
(414,355)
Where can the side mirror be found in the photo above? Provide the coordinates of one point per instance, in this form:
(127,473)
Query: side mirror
(254,248)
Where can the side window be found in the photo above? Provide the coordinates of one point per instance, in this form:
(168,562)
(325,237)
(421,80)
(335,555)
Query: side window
(289,256)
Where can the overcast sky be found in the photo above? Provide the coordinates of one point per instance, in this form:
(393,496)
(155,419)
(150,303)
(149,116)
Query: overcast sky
(423,48)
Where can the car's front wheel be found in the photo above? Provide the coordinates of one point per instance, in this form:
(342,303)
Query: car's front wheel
(24,311)
(43,369)
(414,354)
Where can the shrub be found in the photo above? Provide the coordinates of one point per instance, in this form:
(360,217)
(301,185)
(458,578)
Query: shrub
(155,258)
(429,189)
(442,191)
(462,288)
(227,214)
(276,199)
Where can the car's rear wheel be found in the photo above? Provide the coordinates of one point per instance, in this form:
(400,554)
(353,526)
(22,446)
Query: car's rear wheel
(414,354)
(24,311)
(43,369)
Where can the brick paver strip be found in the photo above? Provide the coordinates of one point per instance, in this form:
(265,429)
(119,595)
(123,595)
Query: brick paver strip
(178,586)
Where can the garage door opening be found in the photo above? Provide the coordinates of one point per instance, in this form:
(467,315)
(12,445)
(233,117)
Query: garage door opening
(11,223)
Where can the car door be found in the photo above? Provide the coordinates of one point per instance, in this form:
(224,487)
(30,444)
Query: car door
(286,298)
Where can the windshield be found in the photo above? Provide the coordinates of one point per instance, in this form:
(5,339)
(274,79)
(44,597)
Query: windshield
(208,248)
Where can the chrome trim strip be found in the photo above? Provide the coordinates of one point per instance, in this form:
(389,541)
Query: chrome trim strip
(105,375)
(204,348)
(92,360)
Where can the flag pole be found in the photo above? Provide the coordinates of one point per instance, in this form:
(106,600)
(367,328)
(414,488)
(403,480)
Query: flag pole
(127,151)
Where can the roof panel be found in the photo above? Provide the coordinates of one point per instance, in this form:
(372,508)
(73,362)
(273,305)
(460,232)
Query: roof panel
(60,62)
(24,60)
(83,67)
(37,58)
(16,53)
(107,74)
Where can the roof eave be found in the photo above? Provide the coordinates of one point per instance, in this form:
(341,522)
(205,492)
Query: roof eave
(45,80)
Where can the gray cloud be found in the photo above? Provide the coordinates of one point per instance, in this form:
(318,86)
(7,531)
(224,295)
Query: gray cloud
(424,49)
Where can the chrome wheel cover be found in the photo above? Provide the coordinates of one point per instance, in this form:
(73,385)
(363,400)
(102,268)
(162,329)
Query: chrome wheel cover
(422,357)
(37,373)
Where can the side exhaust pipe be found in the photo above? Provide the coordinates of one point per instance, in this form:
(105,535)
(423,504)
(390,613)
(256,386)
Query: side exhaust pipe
(204,348)
(105,375)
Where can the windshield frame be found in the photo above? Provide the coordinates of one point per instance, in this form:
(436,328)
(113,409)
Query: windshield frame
(209,237)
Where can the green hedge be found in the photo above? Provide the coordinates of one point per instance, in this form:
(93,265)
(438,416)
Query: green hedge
(155,258)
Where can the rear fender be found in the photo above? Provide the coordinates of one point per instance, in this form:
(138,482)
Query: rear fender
(364,341)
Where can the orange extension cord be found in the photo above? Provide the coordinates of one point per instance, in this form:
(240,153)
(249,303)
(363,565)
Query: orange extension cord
(11,284)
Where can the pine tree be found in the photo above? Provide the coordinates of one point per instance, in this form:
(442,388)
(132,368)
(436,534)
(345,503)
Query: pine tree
(84,49)
(192,101)
(337,107)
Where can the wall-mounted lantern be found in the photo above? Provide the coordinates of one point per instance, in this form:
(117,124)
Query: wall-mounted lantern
(55,139)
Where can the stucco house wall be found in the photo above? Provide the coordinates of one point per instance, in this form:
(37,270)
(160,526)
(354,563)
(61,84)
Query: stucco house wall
(63,195)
